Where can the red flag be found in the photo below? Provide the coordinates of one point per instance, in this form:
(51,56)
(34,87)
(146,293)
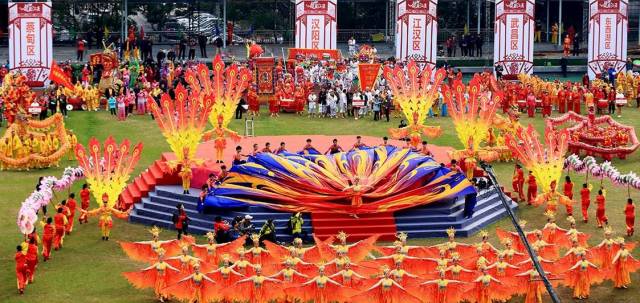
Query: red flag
(368,74)
(59,77)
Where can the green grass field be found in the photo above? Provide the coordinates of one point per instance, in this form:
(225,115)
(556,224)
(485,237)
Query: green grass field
(88,269)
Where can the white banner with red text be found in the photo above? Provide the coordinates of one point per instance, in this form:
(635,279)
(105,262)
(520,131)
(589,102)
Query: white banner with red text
(316,24)
(514,30)
(417,31)
(608,26)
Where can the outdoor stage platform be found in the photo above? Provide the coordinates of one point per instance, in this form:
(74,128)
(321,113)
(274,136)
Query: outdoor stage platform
(157,191)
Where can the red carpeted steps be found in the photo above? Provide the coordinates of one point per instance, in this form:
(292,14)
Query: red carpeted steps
(156,174)
(326,224)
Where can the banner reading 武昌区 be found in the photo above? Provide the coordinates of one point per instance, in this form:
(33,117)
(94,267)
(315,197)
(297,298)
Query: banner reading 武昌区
(608,26)
(31,40)
(417,31)
(514,31)
(316,24)
(368,74)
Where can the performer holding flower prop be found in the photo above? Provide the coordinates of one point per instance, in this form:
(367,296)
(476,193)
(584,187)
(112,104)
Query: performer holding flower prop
(107,174)
(226,89)
(545,162)
(182,122)
(415,96)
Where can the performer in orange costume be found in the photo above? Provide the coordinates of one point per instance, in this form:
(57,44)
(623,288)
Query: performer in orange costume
(601,217)
(257,289)
(603,253)
(290,276)
(257,254)
(254,104)
(184,262)
(630,216)
(147,251)
(48,233)
(196,287)
(487,289)
(568,191)
(243,266)
(532,190)
(585,200)
(71,204)
(441,290)
(21,268)
(32,259)
(157,276)
(623,265)
(546,105)
(300,99)
(84,202)
(518,182)
(211,252)
(220,140)
(356,251)
(533,286)
(350,278)
(106,222)
(385,290)
(581,276)
(60,221)
(274,104)
(551,233)
(225,278)
(503,271)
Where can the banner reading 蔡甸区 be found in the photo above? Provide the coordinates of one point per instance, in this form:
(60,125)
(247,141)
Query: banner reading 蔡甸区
(316,24)
(417,31)
(608,25)
(514,30)
(31,40)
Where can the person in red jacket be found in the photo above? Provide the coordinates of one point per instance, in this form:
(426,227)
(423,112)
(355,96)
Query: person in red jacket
(80,50)
(71,204)
(531,104)
(568,191)
(32,260)
(21,268)
(48,232)
(518,182)
(546,104)
(562,100)
(532,190)
(60,221)
(630,216)
(576,99)
(85,196)
(601,216)
(585,201)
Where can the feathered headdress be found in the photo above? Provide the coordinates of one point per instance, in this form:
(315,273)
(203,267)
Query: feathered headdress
(402,236)
(155,231)
(571,220)
(342,236)
(550,215)
(608,230)
(484,234)
(451,232)
(255,237)
(211,236)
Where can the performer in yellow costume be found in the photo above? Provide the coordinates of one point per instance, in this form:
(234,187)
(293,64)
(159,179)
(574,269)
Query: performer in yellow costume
(105,222)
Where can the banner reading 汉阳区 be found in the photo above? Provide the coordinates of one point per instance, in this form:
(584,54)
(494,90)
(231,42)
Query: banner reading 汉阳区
(368,74)
(417,31)
(316,24)
(514,30)
(31,40)
(608,25)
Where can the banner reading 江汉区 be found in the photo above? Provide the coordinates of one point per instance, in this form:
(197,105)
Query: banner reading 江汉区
(31,40)
(417,30)
(608,25)
(316,24)
(514,30)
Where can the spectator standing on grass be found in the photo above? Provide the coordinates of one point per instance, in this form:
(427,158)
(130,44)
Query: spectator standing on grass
(202,42)
(181,221)
(192,48)
(182,47)
(470,201)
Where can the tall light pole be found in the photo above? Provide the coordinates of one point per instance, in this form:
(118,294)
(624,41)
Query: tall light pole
(224,24)
(479,13)
(560,23)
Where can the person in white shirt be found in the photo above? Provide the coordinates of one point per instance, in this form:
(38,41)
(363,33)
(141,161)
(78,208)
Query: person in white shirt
(313,99)
(342,104)
(352,46)
(357,98)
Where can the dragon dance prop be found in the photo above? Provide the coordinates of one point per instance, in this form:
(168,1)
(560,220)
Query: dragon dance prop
(545,162)
(589,166)
(473,118)
(107,173)
(27,215)
(34,144)
(182,122)
(225,89)
(16,95)
(416,93)
(380,179)
(601,135)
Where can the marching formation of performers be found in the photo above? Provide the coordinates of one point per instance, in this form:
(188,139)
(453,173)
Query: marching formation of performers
(365,272)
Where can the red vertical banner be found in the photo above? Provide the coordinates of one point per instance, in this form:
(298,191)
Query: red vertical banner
(31,40)
(368,74)
(264,74)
